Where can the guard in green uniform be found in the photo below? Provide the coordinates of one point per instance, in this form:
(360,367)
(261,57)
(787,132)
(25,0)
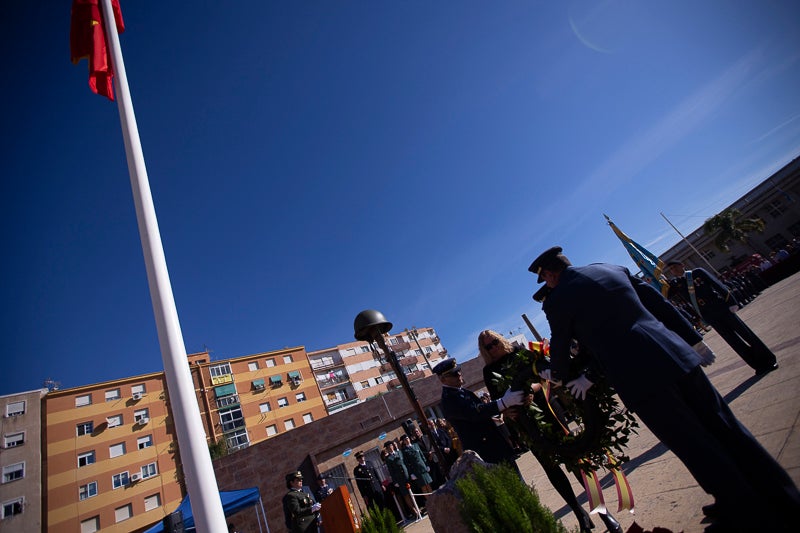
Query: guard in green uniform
(299,507)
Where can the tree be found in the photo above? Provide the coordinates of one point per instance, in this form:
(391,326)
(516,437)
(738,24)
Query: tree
(726,228)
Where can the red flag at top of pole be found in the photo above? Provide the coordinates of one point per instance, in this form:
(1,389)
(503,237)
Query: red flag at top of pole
(87,39)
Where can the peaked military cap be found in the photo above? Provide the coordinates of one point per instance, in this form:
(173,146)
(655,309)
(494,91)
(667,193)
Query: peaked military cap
(548,258)
(447,366)
(294,475)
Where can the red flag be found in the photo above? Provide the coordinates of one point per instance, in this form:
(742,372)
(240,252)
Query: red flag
(87,39)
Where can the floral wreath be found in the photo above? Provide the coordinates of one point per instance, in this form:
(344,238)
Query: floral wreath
(580,434)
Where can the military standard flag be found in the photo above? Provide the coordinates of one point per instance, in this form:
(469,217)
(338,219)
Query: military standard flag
(651,266)
(87,39)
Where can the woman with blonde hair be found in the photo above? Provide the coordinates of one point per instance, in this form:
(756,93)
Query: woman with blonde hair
(493,348)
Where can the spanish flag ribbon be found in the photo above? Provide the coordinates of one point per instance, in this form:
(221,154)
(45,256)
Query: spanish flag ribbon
(624,492)
(594,492)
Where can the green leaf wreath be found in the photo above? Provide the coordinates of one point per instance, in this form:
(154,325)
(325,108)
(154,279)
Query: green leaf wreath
(597,425)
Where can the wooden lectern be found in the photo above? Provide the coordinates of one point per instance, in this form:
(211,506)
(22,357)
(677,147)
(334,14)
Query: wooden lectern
(338,513)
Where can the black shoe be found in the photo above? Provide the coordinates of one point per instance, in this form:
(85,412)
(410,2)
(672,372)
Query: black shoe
(611,523)
(767,369)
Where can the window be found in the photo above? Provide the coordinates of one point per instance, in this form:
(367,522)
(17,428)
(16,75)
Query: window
(13,507)
(275,381)
(428,349)
(270,363)
(138,389)
(364,349)
(85,428)
(272,430)
(231,419)
(287,358)
(149,470)
(776,241)
(364,384)
(283,402)
(120,480)
(115,450)
(307,418)
(288,424)
(15,409)
(90,525)
(252,367)
(776,208)
(82,401)
(123,513)
(708,254)
(152,502)
(87,491)
(300,396)
(14,439)
(144,442)
(13,472)
(237,440)
(142,416)
(85,459)
(379,380)
(114,421)
(112,395)
(264,407)
(220,370)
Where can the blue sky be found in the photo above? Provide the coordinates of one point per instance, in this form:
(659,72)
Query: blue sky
(309,160)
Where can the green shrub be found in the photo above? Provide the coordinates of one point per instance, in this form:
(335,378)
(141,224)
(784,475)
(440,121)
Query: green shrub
(496,499)
(379,520)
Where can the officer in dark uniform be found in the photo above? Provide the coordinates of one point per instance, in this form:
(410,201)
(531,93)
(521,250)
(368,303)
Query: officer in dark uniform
(632,333)
(369,484)
(472,418)
(299,508)
(716,305)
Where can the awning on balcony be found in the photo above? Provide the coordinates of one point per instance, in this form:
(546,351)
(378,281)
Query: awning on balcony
(294,374)
(275,380)
(258,383)
(225,390)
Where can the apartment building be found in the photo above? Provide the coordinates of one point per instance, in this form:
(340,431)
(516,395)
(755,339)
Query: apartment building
(111,455)
(20,461)
(353,372)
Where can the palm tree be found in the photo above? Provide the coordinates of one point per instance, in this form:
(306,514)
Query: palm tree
(727,228)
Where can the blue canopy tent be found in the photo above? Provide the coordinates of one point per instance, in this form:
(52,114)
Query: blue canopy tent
(233,501)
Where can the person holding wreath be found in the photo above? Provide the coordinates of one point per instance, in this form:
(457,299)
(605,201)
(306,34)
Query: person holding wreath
(495,350)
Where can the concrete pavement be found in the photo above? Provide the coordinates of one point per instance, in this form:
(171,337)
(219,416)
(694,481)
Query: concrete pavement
(666,495)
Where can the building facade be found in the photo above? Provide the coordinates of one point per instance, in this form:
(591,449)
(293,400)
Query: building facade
(351,373)
(776,201)
(20,461)
(111,458)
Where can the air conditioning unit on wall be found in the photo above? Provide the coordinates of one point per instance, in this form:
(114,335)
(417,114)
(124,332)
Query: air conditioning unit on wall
(135,477)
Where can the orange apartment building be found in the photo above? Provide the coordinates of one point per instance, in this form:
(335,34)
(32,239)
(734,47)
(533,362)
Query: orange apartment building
(110,452)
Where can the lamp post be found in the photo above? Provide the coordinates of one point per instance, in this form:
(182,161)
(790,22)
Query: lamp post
(370,325)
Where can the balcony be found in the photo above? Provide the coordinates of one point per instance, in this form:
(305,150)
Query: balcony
(327,382)
(400,347)
(417,374)
(226,401)
(325,363)
(222,380)
(408,360)
(338,406)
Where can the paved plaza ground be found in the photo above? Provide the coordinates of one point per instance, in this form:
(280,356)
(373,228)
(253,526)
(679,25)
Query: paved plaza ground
(665,493)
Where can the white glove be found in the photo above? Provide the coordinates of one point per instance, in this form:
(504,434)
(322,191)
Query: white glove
(413,477)
(734,308)
(545,374)
(706,355)
(579,386)
(316,507)
(510,399)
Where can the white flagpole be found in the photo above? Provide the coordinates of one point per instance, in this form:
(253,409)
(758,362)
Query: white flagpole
(198,470)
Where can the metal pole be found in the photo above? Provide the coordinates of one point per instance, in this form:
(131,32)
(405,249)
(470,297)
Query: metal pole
(530,327)
(690,245)
(392,357)
(413,334)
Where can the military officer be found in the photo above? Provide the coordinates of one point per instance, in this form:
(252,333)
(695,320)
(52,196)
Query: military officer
(717,306)
(299,508)
(473,419)
(368,481)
